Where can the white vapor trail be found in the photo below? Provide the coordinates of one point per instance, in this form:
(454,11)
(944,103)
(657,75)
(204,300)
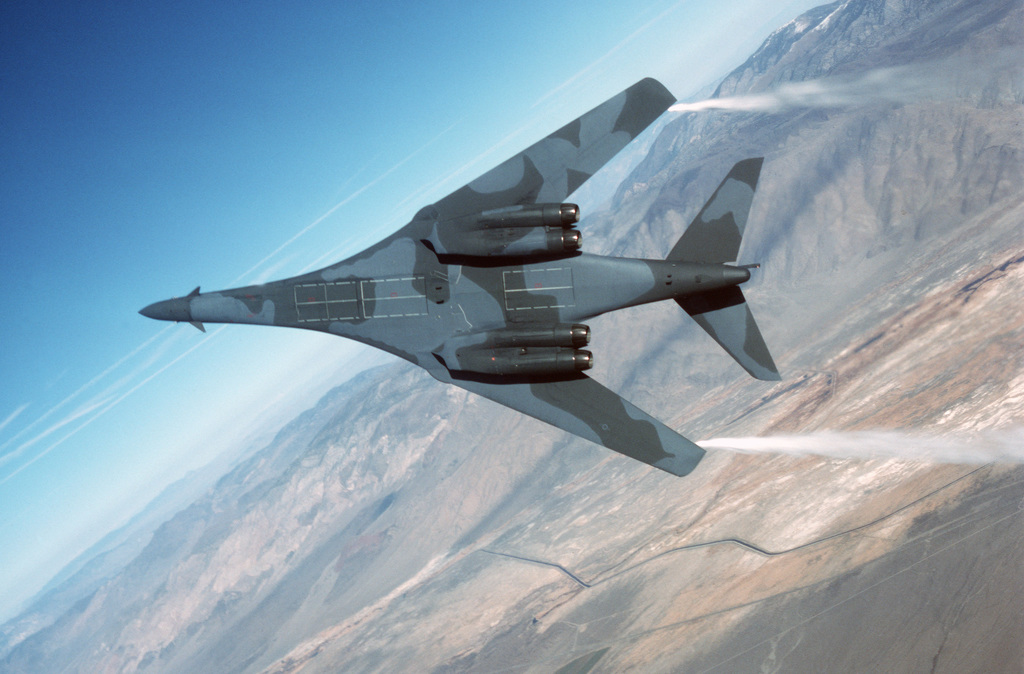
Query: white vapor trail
(13,415)
(248,273)
(899,84)
(98,409)
(993,445)
(67,400)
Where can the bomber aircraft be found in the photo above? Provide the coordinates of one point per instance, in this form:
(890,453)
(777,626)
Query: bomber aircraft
(487,288)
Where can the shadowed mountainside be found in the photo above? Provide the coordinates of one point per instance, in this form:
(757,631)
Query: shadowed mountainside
(403,521)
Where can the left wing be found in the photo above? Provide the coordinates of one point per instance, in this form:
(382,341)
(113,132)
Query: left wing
(586,408)
(553,168)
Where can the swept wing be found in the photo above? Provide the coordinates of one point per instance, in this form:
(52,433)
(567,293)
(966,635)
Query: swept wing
(487,288)
(586,408)
(548,172)
(553,168)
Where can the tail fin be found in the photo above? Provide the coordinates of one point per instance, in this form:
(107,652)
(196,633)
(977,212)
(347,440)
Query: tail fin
(714,237)
(715,234)
(725,316)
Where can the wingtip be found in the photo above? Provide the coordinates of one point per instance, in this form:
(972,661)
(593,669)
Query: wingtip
(684,461)
(763,371)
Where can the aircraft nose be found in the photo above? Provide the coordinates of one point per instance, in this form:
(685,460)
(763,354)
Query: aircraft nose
(176,309)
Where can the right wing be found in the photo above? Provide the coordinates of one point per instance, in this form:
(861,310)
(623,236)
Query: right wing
(586,408)
(546,172)
(553,168)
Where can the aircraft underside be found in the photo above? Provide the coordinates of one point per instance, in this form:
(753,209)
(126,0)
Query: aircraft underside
(487,288)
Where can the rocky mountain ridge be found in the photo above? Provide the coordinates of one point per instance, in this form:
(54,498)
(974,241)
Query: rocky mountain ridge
(403,521)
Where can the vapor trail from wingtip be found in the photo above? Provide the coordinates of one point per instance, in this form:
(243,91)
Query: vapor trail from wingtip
(992,445)
(892,85)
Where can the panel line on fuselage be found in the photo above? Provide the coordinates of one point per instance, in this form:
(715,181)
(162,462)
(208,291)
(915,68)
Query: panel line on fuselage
(538,288)
(359,299)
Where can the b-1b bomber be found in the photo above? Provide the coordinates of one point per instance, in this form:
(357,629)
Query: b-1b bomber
(488,289)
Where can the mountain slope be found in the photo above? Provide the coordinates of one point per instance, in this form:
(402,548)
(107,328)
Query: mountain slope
(413,523)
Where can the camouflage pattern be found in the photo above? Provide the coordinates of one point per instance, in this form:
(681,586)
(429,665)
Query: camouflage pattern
(486,289)
(715,234)
(714,237)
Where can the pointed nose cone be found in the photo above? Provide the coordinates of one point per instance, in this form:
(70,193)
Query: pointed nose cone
(176,309)
(150,311)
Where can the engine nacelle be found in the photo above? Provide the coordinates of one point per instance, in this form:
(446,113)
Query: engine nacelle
(510,242)
(572,335)
(533,230)
(532,215)
(525,361)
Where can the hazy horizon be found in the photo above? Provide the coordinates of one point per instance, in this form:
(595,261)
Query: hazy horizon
(161,148)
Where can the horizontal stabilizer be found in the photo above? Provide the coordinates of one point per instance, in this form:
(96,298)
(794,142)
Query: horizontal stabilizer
(725,316)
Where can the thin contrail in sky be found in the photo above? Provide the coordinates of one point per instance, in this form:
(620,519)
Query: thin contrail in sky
(564,85)
(105,406)
(107,403)
(89,384)
(50,430)
(607,55)
(338,205)
(13,415)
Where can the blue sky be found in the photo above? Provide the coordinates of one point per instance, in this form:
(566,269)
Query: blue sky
(151,147)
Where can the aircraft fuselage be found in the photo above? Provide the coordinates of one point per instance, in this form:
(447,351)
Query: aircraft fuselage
(411,313)
(486,288)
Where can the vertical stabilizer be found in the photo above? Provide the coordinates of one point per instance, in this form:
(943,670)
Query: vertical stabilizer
(714,235)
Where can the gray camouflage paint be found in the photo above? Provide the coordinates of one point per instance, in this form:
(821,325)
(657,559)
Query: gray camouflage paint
(499,326)
(715,234)
(714,237)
